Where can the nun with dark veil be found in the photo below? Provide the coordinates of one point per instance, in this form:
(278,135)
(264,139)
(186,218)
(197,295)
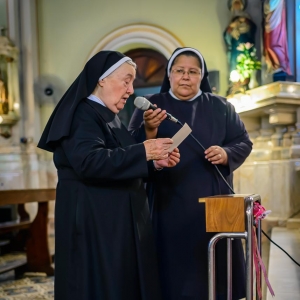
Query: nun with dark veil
(104,243)
(178,218)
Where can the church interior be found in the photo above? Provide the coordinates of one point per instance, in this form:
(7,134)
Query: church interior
(252,52)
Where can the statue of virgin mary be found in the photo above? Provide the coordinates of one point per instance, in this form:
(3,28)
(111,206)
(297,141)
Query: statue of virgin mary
(241,29)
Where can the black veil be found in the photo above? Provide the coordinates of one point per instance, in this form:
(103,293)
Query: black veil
(59,124)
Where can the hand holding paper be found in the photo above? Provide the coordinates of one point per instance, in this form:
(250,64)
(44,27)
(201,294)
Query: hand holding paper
(172,160)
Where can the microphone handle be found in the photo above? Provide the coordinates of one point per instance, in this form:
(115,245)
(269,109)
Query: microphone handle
(151,106)
(169,116)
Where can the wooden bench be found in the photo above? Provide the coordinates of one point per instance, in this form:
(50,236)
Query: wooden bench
(31,236)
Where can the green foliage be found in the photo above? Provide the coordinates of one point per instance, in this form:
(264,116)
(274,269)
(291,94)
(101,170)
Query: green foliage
(247,61)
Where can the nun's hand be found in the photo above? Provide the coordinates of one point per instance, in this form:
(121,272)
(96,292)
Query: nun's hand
(157,149)
(153,118)
(216,155)
(172,160)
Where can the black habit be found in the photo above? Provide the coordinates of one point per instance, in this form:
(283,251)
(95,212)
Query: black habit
(104,243)
(178,218)
(103,234)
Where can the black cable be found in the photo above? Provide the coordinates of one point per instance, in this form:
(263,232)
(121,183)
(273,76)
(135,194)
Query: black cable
(234,193)
(279,247)
(213,165)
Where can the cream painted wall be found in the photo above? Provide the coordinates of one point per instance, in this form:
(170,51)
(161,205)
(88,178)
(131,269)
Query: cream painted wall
(3,11)
(70,29)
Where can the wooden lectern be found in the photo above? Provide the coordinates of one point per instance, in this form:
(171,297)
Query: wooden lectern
(231,217)
(225,213)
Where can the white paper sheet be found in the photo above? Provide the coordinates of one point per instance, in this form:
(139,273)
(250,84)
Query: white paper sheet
(179,136)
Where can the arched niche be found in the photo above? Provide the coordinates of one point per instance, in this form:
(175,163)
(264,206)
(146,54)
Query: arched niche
(148,35)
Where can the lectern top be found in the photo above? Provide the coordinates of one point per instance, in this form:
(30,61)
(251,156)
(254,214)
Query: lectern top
(244,196)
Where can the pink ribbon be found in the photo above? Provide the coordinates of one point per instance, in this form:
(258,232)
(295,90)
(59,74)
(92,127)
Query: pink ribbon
(259,213)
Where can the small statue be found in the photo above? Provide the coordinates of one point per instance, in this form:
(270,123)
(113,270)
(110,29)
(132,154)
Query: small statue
(9,85)
(2,91)
(3,98)
(241,30)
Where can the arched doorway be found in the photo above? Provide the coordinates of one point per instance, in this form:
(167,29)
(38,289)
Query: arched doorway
(151,66)
(149,46)
(126,36)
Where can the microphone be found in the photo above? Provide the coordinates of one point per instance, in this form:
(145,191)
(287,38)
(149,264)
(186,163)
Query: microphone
(144,104)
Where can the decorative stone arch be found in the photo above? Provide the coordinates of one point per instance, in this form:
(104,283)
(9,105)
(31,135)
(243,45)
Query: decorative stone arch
(155,37)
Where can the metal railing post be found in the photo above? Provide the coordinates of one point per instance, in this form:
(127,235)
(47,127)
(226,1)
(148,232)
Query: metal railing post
(229,269)
(249,250)
(212,262)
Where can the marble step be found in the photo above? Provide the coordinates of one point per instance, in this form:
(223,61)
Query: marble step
(293,223)
(283,273)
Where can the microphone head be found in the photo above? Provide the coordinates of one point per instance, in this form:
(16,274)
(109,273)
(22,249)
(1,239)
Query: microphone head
(141,103)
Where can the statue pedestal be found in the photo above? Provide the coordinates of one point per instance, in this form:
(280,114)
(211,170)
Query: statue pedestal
(271,114)
(276,181)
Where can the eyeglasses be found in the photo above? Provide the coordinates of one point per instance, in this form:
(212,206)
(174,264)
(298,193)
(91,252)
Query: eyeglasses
(181,72)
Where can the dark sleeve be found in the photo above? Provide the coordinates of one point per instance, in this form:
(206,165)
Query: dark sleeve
(136,126)
(137,130)
(94,154)
(237,143)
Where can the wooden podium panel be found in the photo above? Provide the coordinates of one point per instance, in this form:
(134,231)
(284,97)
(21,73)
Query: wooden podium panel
(225,213)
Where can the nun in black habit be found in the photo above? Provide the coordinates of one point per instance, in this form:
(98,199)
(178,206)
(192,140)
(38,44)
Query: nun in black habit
(104,245)
(178,218)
